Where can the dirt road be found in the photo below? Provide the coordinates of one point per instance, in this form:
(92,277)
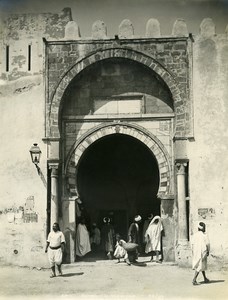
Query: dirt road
(109,280)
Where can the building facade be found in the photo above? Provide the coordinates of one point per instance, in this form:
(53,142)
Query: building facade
(126,125)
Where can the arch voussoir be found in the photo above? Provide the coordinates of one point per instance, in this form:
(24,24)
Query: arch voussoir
(143,136)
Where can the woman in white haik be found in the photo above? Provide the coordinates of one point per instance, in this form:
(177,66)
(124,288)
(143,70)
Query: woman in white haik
(55,248)
(200,251)
(153,237)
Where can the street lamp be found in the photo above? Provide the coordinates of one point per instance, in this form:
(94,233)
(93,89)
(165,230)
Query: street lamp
(35,156)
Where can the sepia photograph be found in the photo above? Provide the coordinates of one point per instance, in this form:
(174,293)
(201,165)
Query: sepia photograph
(114,149)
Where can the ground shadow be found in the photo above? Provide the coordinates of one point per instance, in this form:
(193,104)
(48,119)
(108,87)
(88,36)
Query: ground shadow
(212,281)
(92,257)
(139,264)
(153,261)
(87,259)
(72,274)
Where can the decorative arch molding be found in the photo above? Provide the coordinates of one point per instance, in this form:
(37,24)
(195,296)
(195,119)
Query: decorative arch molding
(136,131)
(102,54)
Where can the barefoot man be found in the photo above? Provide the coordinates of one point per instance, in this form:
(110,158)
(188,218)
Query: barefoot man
(55,247)
(200,251)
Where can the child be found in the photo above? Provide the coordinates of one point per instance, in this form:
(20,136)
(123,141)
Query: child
(120,252)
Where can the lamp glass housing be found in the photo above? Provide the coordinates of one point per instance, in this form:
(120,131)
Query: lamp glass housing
(35,153)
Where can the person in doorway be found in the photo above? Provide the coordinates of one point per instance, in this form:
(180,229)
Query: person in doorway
(145,226)
(85,215)
(133,231)
(55,247)
(107,237)
(82,239)
(95,238)
(134,236)
(153,238)
(200,251)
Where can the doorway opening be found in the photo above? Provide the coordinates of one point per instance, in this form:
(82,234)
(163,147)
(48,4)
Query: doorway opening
(118,177)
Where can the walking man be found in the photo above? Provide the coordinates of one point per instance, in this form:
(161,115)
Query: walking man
(200,251)
(55,248)
(134,236)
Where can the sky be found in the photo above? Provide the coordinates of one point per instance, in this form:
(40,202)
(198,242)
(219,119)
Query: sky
(112,12)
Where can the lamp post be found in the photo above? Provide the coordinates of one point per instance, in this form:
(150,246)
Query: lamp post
(35,156)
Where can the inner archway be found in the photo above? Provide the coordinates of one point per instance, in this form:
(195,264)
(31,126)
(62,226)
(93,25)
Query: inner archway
(118,176)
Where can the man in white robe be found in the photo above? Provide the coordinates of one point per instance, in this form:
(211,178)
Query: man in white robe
(200,251)
(82,239)
(153,237)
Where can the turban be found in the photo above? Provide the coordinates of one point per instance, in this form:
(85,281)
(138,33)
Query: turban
(138,218)
(201,225)
(106,220)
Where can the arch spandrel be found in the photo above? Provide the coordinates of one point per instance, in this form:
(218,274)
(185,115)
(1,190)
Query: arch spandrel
(136,131)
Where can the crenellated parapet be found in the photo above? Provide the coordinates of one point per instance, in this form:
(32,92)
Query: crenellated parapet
(207,28)
(99,30)
(180,28)
(72,31)
(153,29)
(61,26)
(21,40)
(126,30)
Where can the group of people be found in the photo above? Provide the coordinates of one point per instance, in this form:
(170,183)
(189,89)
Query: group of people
(151,236)
(129,250)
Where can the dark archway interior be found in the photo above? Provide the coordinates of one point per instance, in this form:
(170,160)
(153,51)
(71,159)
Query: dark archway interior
(118,177)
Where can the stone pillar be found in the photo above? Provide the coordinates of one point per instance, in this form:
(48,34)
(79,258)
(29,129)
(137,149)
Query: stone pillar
(181,198)
(168,221)
(69,225)
(183,249)
(54,192)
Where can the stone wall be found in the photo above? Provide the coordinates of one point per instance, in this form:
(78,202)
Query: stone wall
(198,63)
(22,108)
(208,159)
